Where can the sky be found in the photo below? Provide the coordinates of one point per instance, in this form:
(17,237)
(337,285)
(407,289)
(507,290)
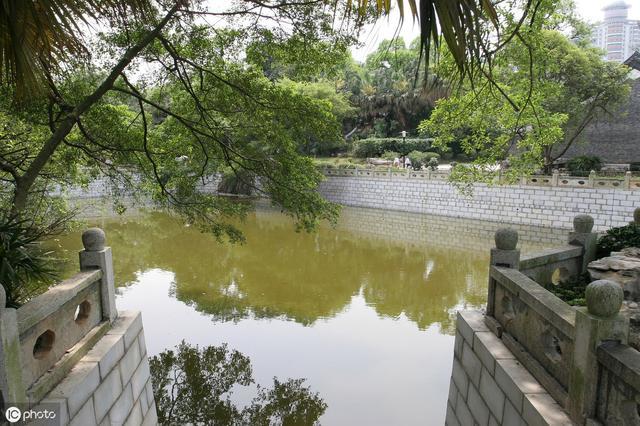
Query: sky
(590,10)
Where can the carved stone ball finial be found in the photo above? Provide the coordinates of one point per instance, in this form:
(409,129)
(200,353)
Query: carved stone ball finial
(604,298)
(93,239)
(506,239)
(583,223)
(636,215)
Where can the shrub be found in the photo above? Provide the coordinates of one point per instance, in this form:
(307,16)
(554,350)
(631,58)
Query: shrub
(375,147)
(618,238)
(433,163)
(419,159)
(582,165)
(240,183)
(24,266)
(572,290)
(390,155)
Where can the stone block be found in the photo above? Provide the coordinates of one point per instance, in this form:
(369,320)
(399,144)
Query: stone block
(140,378)
(129,363)
(542,410)
(128,324)
(488,347)
(142,343)
(107,393)
(472,322)
(471,364)
(151,418)
(107,352)
(135,417)
(477,406)
(451,419)
(515,381)
(122,407)
(77,386)
(150,399)
(144,402)
(85,416)
(493,395)
(464,416)
(511,416)
(457,345)
(460,378)
(453,393)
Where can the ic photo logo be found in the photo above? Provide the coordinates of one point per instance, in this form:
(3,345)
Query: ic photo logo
(13,414)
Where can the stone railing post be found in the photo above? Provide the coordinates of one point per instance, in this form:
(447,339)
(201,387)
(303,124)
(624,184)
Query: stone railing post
(592,179)
(12,388)
(555,177)
(582,235)
(96,255)
(627,180)
(636,217)
(506,255)
(600,321)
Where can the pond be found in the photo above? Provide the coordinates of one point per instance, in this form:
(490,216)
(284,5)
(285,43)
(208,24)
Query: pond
(364,311)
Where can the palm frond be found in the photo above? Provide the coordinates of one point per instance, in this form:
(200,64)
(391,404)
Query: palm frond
(457,22)
(38,35)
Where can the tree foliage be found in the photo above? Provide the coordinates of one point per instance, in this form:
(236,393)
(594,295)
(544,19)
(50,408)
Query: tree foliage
(194,386)
(544,90)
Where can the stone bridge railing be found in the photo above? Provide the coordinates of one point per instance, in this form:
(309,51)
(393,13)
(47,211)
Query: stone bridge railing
(628,182)
(75,323)
(579,355)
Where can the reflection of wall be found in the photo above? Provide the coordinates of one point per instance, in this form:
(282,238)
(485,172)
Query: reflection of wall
(551,207)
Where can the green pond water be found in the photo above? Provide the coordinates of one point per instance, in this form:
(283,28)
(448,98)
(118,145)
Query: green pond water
(364,311)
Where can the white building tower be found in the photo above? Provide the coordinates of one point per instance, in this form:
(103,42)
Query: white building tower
(617,35)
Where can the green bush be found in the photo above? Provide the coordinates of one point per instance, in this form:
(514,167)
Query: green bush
(572,290)
(375,147)
(390,155)
(618,238)
(419,159)
(25,267)
(240,183)
(582,166)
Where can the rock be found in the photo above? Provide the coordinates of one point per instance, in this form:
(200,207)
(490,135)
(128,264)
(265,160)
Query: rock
(629,252)
(623,270)
(506,239)
(604,298)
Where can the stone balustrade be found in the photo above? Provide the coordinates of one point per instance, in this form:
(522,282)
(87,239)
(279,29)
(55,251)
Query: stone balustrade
(628,182)
(49,345)
(577,357)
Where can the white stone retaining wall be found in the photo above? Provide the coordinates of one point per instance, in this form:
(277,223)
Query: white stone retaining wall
(553,207)
(490,387)
(111,384)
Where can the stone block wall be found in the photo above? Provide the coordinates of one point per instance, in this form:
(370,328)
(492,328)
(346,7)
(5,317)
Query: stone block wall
(111,384)
(553,207)
(490,387)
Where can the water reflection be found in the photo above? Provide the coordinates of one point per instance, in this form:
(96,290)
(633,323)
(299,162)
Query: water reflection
(302,277)
(366,311)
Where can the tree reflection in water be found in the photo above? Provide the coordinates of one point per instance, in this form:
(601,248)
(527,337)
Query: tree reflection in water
(194,386)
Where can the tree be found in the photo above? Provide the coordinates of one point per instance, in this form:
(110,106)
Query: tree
(547,90)
(193,386)
(198,100)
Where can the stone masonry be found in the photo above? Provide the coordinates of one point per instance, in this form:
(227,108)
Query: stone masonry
(111,384)
(490,387)
(553,207)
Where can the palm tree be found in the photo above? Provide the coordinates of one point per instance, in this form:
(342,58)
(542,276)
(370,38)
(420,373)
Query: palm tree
(36,36)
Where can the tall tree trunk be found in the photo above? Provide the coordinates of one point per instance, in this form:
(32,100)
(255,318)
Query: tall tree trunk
(24,183)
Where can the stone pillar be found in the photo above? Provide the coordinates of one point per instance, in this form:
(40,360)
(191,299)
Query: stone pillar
(11,384)
(505,255)
(555,177)
(96,255)
(600,321)
(592,179)
(627,180)
(636,217)
(582,235)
